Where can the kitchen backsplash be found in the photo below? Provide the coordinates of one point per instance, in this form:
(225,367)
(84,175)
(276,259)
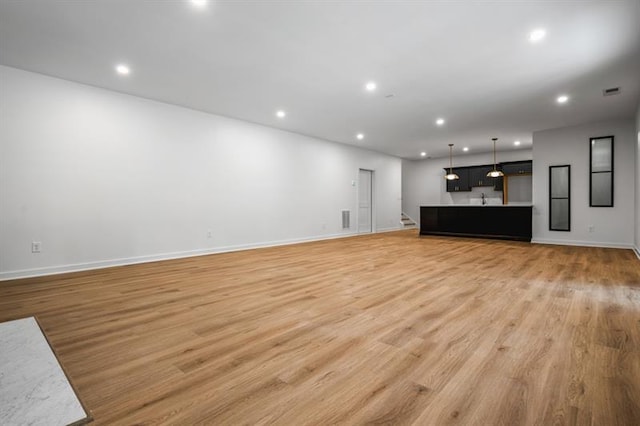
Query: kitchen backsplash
(475,196)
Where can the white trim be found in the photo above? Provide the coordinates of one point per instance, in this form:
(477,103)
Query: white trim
(51,270)
(582,243)
(78,267)
(636,250)
(393,228)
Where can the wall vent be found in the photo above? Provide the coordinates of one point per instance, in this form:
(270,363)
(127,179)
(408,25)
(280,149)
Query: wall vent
(346,214)
(611,91)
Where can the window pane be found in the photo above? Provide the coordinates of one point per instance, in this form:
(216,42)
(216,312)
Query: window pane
(560,214)
(559,182)
(601,189)
(601,155)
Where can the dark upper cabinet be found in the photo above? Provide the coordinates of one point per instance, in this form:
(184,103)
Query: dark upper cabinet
(498,183)
(459,185)
(517,167)
(478,176)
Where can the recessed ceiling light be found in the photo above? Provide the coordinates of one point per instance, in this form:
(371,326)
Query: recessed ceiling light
(199,3)
(562,99)
(281,114)
(465,149)
(537,35)
(516,143)
(423,154)
(122,69)
(360,136)
(440,121)
(371,86)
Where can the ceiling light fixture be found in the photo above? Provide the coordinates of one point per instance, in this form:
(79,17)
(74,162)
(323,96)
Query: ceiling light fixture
(371,86)
(440,121)
(562,99)
(199,3)
(516,143)
(281,114)
(465,149)
(495,172)
(360,136)
(122,69)
(423,154)
(451,175)
(537,35)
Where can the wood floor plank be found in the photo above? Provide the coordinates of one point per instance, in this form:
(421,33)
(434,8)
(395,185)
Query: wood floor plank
(380,329)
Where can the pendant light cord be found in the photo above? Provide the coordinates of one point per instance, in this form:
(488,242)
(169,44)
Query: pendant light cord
(450,158)
(494,154)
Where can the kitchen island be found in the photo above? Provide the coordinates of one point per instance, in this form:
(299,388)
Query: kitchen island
(507,222)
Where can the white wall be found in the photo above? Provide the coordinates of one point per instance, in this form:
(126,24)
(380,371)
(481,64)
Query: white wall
(570,145)
(423,180)
(520,189)
(102,178)
(637,205)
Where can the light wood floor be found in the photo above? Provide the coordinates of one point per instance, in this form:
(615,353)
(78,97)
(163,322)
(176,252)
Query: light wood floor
(381,329)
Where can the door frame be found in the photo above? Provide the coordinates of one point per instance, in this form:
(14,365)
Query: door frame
(373,202)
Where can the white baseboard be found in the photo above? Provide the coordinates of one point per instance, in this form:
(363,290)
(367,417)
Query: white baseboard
(78,267)
(393,228)
(636,250)
(582,243)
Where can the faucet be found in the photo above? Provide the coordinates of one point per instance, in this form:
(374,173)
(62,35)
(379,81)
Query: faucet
(484,199)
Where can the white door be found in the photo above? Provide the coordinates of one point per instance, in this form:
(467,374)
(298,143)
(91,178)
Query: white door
(365,210)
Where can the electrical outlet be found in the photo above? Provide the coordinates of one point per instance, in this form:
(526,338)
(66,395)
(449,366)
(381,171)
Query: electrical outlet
(591,228)
(36,247)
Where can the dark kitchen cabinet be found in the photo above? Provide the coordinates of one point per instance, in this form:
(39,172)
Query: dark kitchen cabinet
(498,183)
(478,176)
(517,168)
(502,222)
(459,185)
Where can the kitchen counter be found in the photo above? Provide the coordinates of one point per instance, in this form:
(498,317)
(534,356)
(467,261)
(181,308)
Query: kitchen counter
(508,222)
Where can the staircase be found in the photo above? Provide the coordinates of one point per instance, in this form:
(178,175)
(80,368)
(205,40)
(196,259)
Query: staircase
(407,222)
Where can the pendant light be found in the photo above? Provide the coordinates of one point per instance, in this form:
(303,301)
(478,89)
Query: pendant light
(451,175)
(495,172)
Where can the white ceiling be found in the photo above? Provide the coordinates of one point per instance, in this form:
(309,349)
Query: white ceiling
(467,61)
